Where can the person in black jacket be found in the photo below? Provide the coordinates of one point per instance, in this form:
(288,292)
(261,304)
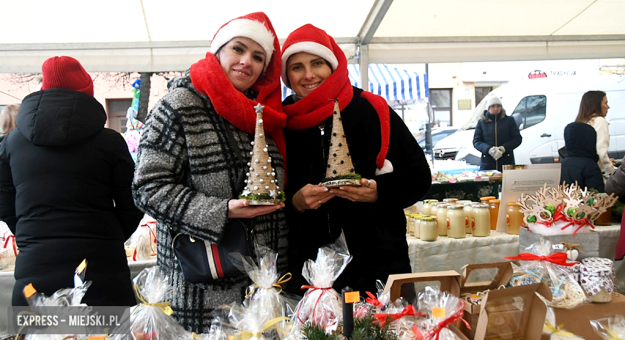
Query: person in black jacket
(65,190)
(496,136)
(395,173)
(580,163)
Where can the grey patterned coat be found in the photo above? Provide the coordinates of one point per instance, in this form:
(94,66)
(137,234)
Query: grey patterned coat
(185,175)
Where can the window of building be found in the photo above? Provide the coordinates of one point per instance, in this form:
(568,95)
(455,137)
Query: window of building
(530,111)
(116,110)
(481,92)
(441,105)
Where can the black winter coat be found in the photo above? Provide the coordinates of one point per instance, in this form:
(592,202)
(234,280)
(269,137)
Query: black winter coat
(580,163)
(65,193)
(375,232)
(496,130)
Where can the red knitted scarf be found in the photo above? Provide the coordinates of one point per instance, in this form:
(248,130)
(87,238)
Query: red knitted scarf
(209,79)
(316,107)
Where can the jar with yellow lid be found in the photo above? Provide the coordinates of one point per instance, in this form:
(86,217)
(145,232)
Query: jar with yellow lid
(514,218)
(428,228)
(455,221)
(481,220)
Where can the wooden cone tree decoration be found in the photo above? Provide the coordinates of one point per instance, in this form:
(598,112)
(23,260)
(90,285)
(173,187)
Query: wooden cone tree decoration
(340,169)
(261,188)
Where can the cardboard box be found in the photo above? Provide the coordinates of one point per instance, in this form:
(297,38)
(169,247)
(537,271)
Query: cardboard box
(577,320)
(479,278)
(513,313)
(449,281)
(482,277)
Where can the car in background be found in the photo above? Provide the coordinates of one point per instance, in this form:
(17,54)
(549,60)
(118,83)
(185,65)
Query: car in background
(437,135)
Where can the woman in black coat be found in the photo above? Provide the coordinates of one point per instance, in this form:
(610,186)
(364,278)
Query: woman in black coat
(395,173)
(496,136)
(580,163)
(65,190)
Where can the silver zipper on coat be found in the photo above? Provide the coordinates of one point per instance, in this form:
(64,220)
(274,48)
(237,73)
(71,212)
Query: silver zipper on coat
(496,143)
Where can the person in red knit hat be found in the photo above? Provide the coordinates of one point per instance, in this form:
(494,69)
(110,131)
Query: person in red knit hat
(188,173)
(384,152)
(65,190)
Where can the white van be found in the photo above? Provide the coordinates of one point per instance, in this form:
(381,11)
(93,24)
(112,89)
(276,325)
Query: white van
(542,108)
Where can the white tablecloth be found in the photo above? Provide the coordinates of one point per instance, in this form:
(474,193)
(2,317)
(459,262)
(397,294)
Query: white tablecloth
(452,254)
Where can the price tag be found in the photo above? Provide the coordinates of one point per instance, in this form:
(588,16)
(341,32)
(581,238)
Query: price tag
(558,246)
(439,312)
(352,297)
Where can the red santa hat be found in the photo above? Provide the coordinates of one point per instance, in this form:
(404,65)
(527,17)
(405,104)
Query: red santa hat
(309,39)
(255,26)
(66,73)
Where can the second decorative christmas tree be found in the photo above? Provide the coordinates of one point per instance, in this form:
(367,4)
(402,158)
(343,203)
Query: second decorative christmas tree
(340,169)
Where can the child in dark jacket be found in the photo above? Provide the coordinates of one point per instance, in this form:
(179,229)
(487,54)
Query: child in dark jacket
(580,163)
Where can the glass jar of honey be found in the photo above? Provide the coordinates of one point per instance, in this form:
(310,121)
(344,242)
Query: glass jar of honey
(450,201)
(468,214)
(428,228)
(481,220)
(441,218)
(427,205)
(493,205)
(455,221)
(514,218)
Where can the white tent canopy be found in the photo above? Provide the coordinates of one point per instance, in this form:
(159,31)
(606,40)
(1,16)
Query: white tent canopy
(159,35)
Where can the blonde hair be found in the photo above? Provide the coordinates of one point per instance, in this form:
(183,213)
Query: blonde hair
(7,118)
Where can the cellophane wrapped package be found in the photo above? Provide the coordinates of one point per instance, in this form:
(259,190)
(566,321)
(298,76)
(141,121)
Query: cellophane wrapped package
(557,332)
(151,318)
(610,328)
(265,297)
(255,325)
(8,250)
(542,263)
(441,309)
(321,305)
(61,298)
(399,314)
(142,243)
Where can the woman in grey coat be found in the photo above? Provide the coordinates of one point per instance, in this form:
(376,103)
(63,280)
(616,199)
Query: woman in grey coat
(187,170)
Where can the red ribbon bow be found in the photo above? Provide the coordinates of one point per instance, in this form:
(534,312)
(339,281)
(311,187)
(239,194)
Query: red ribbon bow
(312,289)
(6,243)
(558,215)
(408,311)
(557,258)
(581,223)
(372,299)
(443,324)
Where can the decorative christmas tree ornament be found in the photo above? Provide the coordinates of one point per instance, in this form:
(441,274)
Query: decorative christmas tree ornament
(261,188)
(340,170)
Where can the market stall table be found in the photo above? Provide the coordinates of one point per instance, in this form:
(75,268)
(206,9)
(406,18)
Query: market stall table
(452,254)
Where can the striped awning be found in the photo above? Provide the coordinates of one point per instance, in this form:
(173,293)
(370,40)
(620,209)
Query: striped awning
(389,82)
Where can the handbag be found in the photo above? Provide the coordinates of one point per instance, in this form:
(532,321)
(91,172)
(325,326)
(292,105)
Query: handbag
(205,262)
